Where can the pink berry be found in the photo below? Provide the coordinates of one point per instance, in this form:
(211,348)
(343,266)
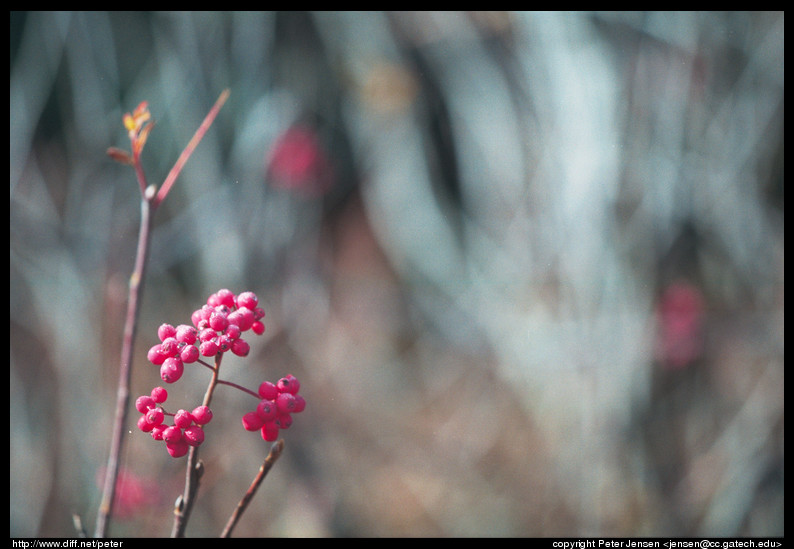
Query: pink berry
(183,419)
(285,402)
(259,313)
(159,395)
(170,364)
(300,404)
(202,415)
(218,321)
(258,328)
(177,449)
(144,425)
(205,312)
(195,318)
(284,421)
(252,421)
(240,347)
(143,403)
(172,434)
(155,416)
(189,354)
(171,370)
(207,334)
(165,331)
(224,343)
(186,334)
(193,435)
(267,410)
(155,355)
(270,431)
(233,332)
(243,317)
(208,348)
(169,347)
(268,390)
(247,299)
(157,431)
(222,310)
(224,297)
(288,384)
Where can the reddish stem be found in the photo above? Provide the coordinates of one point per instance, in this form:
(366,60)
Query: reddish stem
(243,389)
(191,146)
(194,468)
(136,162)
(123,392)
(231,383)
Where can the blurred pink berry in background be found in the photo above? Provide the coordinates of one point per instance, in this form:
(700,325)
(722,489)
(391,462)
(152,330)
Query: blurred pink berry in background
(298,162)
(680,323)
(133,493)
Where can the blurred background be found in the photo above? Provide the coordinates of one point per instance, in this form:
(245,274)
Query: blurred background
(528,268)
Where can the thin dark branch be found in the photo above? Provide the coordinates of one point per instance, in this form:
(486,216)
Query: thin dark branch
(194,469)
(123,392)
(273,455)
(184,504)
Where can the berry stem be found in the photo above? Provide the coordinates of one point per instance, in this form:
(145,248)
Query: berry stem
(123,392)
(272,456)
(236,386)
(194,466)
(214,380)
(229,383)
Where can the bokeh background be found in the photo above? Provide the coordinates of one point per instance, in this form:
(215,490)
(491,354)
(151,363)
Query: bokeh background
(527,266)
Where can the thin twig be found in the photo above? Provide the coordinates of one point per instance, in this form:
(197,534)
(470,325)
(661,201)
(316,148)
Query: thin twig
(240,387)
(184,504)
(123,392)
(194,469)
(271,458)
(191,146)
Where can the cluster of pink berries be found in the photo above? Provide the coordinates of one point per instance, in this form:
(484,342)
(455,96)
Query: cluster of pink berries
(217,328)
(274,411)
(186,430)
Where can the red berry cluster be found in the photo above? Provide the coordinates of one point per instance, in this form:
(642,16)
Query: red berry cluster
(274,411)
(186,429)
(217,328)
